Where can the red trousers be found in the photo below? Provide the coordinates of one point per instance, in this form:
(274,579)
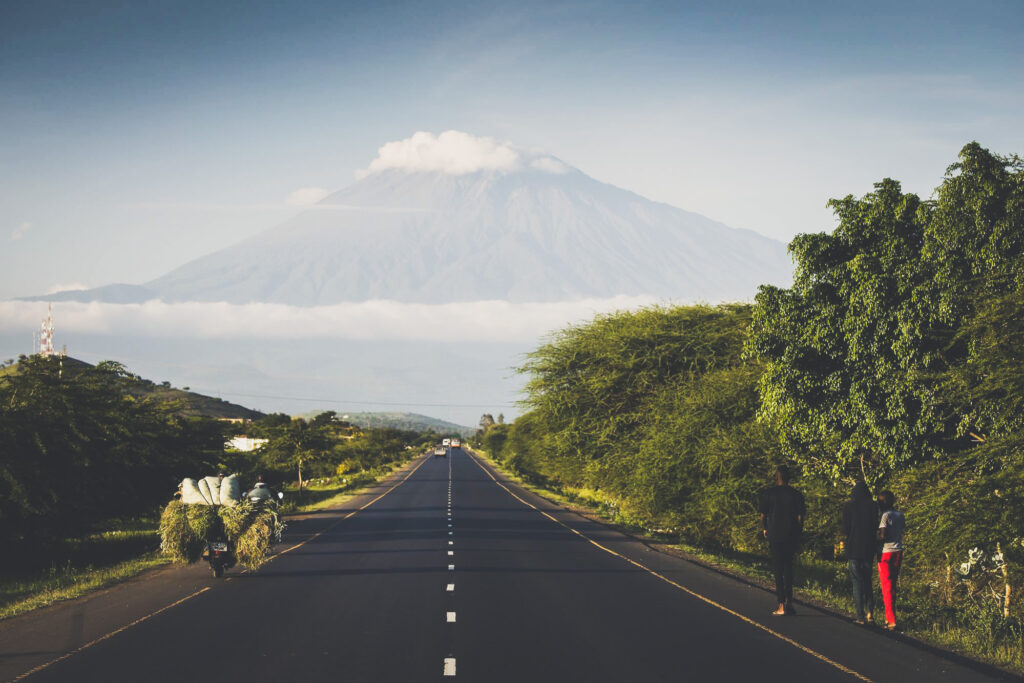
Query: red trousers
(888,574)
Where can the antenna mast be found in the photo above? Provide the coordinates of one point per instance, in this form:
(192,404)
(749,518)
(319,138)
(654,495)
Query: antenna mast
(46,333)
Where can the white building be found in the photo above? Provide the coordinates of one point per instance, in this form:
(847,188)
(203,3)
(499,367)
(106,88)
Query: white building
(245,443)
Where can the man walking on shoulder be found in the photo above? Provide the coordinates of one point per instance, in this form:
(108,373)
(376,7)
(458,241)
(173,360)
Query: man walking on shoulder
(782,518)
(890,532)
(859,525)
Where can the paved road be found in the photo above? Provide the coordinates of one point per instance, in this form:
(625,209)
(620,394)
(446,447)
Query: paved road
(447,570)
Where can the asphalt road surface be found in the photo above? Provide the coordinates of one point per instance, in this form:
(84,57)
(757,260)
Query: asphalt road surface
(447,570)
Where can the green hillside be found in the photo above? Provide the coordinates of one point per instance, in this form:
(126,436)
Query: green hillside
(408,421)
(190,404)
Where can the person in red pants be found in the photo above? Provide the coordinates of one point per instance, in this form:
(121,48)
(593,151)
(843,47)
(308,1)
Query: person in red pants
(890,533)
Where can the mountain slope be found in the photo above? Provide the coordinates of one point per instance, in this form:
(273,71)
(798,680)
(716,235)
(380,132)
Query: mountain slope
(524,236)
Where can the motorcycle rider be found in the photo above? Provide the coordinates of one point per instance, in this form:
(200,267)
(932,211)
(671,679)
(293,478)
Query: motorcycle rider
(261,493)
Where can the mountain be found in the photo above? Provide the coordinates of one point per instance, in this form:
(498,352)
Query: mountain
(541,232)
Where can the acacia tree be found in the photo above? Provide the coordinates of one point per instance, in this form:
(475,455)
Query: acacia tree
(590,385)
(297,444)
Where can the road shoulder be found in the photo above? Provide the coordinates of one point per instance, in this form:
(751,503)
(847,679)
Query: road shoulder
(818,628)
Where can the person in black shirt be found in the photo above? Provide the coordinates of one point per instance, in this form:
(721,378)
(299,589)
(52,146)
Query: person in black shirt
(782,519)
(860,522)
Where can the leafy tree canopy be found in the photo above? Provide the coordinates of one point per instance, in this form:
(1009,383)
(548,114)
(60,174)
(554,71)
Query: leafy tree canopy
(875,313)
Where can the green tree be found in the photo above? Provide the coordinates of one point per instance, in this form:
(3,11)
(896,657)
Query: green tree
(79,447)
(590,384)
(852,349)
(297,445)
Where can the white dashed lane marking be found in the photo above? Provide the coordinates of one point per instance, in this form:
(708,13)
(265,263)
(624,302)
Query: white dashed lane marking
(450,588)
(451,567)
(450,617)
(449,666)
(450,553)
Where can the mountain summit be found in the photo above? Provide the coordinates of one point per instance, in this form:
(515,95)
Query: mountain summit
(436,220)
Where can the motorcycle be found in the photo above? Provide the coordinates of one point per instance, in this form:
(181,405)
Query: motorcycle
(221,556)
(220,553)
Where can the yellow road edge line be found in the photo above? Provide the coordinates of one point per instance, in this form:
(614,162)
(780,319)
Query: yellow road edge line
(105,637)
(681,587)
(50,663)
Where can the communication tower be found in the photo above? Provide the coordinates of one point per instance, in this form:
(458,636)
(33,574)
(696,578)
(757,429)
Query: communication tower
(46,333)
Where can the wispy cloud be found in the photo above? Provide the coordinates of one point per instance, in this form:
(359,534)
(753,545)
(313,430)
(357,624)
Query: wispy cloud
(306,196)
(371,320)
(200,206)
(20,231)
(74,286)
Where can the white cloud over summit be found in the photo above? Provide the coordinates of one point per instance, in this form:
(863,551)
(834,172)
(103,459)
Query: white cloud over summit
(456,153)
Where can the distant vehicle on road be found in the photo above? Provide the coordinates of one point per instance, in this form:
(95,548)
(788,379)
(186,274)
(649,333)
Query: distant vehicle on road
(440,451)
(446,442)
(456,443)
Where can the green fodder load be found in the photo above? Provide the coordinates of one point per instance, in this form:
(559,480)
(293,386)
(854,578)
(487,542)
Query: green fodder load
(204,521)
(237,519)
(230,491)
(177,539)
(253,546)
(214,484)
(190,494)
(204,491)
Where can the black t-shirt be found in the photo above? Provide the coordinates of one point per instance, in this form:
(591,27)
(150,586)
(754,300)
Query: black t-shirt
(860,524)
(784,508)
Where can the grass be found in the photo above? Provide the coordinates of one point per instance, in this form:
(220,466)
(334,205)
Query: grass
(18,596)
(824,583)
(324,494)
(106,558)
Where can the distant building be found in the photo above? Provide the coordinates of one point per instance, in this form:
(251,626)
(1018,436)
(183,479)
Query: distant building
(245,443)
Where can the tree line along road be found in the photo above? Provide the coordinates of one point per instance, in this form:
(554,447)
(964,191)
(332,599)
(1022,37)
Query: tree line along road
(447,570)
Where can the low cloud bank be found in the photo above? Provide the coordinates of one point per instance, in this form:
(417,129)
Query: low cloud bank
(483,321)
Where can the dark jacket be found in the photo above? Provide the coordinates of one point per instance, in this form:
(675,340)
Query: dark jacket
(860,524)
(784,510)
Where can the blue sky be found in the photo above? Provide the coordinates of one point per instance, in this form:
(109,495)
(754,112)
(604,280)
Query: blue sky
(138,135)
